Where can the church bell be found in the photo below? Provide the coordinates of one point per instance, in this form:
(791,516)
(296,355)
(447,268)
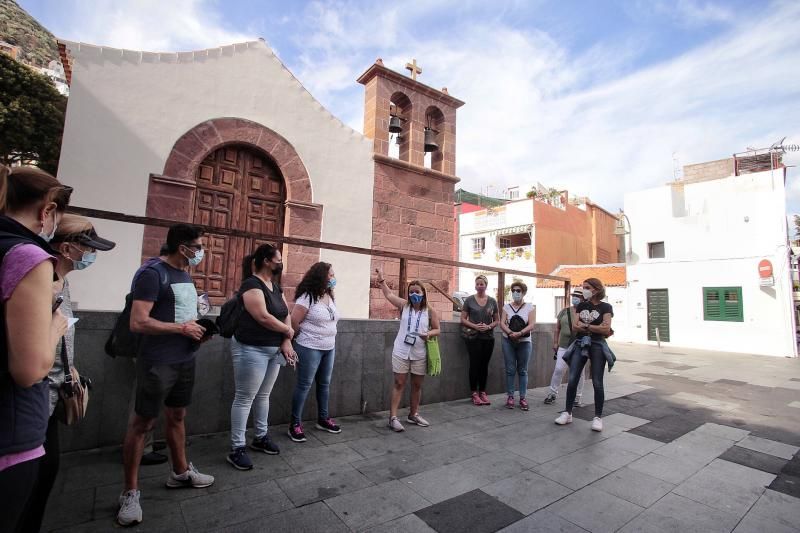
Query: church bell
(395,126)
(430,140)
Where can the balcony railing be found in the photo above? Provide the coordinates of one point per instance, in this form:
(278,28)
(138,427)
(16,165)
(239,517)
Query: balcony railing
(514,253)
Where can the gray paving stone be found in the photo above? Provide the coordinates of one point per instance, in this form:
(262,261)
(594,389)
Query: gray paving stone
(771,447)
(754,459)
(572,473)
(322,484)
(602,454)
(635,487)
(360,430)
(394,466)
(473,512)
(265,467)
(527,491)
(696,447)
(624,421)
(725,432)
(753,523)
(554,445)
(667,468)
(382,444)
(595,510)
(726,486)
(308,518)
(778,507)
(543,521)
(64,512)
(676,514)
(235,506)
(410,523)
(308,459)
(371,506)
(630,443)
(453,480)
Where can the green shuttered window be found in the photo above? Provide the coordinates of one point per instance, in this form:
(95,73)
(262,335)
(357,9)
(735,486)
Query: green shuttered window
(723,304)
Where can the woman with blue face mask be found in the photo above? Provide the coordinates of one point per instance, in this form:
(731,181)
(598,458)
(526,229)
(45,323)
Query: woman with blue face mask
(76,244)
(418,323)
(314,317)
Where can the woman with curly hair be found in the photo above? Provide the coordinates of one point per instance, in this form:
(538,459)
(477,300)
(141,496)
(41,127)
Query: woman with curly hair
(314,317)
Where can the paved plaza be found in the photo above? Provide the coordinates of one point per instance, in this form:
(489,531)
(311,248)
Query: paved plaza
(693,441)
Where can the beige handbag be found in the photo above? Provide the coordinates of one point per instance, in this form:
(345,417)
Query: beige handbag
(73,395)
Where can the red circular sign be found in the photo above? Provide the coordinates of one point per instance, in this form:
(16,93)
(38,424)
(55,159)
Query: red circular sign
(765,268)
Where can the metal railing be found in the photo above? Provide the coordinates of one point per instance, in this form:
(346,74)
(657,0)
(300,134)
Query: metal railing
(286,239)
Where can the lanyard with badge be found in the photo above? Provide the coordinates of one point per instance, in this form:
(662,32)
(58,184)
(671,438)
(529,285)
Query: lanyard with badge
(411,338)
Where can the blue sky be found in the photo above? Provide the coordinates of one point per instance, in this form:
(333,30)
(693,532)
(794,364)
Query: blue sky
(599,97)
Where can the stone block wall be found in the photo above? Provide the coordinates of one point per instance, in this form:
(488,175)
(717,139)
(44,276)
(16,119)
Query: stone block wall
(711,170)
(412,214)
(362,379)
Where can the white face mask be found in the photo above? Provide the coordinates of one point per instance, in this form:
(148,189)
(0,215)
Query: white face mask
(49,237)
(587,294)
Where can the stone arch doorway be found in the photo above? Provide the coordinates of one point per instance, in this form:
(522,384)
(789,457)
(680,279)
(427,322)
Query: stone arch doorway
(237,187)
(199,185)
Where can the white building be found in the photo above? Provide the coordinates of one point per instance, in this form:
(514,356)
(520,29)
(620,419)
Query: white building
(55,71)
(708,259)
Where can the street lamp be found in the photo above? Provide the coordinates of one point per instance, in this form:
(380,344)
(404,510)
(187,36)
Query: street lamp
(620,230)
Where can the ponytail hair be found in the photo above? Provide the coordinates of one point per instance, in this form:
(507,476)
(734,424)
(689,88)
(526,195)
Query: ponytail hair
(254,262)
(22,187)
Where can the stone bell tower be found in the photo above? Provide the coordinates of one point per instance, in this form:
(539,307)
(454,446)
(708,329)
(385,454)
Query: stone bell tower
(413,196)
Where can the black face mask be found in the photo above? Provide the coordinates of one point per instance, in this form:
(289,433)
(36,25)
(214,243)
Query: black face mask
(277,270)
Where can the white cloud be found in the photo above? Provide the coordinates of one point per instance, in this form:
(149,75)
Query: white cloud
(153,25)
(535,113)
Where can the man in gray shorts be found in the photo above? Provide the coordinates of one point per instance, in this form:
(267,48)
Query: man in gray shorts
(164,312)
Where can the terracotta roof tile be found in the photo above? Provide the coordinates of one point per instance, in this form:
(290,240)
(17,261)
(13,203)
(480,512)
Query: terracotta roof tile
(612,275)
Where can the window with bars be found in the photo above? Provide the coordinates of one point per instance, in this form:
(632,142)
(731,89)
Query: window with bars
(505,242)
(723,304)
(479,244)
(559,304)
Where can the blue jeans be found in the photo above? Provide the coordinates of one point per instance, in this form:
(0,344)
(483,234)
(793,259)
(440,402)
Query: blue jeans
(517,355)
(312,364)
(255,369)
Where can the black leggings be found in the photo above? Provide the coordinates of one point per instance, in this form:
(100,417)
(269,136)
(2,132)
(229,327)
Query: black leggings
(598,369)
(480,352)
(16,486)
(48,470)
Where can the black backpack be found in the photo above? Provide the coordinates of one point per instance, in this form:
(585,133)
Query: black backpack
(123,342)
(229,315)
(517,323)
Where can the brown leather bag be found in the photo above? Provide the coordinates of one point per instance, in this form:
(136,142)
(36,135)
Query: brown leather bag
(73,395)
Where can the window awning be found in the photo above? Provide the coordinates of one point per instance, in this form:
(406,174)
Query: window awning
(513,230)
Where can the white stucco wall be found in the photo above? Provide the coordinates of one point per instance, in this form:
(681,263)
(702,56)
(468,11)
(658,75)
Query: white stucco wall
(715,234)
(127,109)
(487,225)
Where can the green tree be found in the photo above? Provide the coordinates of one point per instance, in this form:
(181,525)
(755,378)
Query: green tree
(31,117)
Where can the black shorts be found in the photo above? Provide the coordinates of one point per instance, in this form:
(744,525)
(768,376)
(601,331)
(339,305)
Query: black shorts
(168,384)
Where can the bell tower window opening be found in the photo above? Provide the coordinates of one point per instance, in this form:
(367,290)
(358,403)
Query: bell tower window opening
(399,127)
(434,138)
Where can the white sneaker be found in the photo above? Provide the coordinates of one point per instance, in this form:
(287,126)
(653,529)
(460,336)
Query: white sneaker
(190,478)
(579,402)
(597,424)
(564,419)
(418,420)
(130,512)
(395,424)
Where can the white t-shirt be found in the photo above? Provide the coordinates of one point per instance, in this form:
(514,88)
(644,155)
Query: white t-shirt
(318,328)
(523,313)
(418,322)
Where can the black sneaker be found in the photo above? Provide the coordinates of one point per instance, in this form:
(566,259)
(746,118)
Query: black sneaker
(551,398)
(329,425)
(239,459)
(153,458)
(296,432)
(265,444)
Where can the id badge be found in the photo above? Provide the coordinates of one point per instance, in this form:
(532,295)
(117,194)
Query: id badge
(410,339)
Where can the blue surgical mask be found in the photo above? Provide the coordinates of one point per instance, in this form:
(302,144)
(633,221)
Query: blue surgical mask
(198,256)
(331,283)
(517,296)
(575,300)
(415,298)
(85,261)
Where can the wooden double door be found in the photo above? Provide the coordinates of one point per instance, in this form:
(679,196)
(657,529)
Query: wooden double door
(240,188)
